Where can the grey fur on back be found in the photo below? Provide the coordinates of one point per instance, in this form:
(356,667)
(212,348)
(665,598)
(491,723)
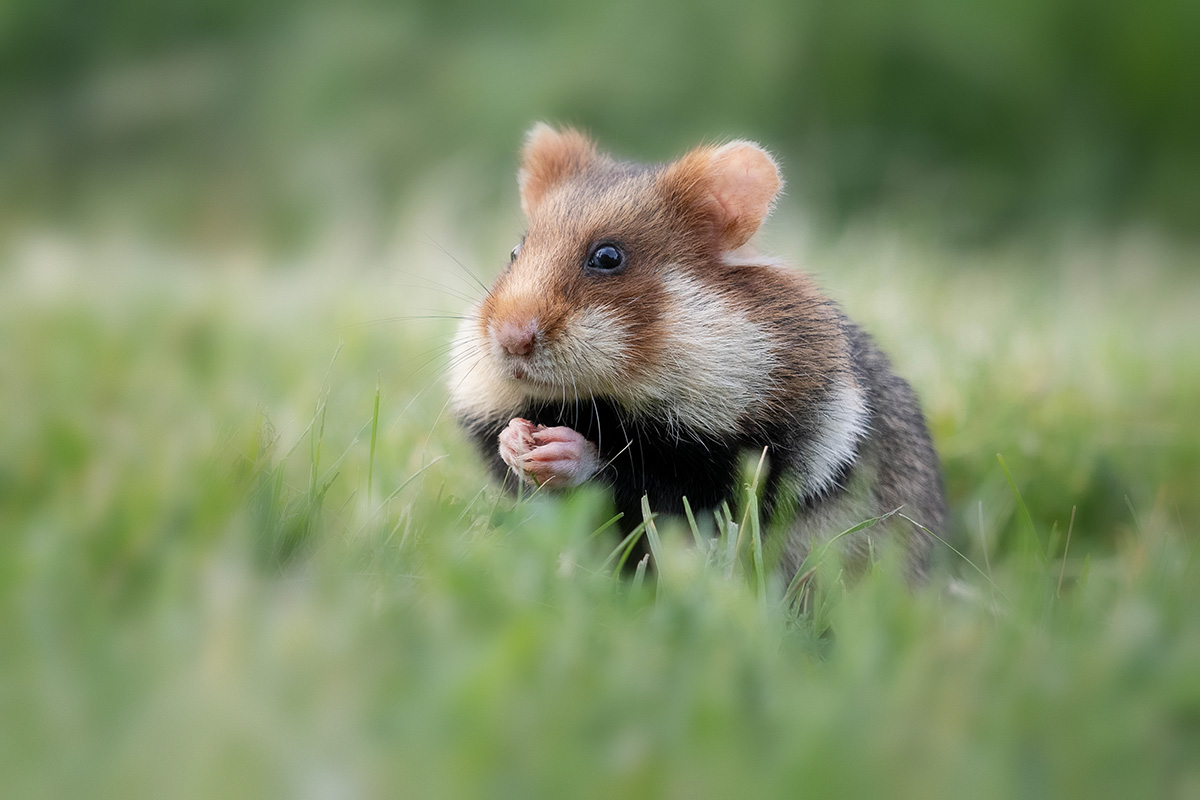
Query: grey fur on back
(896,468)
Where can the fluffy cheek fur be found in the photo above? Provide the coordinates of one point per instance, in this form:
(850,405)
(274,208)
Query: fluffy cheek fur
(479,387)
(716,364)
(587,356)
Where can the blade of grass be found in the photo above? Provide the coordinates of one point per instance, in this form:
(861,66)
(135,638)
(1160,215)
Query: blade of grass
(756,550)
(1052,541)
(318,436)
(654,541)
(687,510)
(1066,548)
(469,505)
(399,489)
(640,574)
(616,518)
(374,437)
(651,531)
(752,491)
(624,548)
(1136,524)
(1032,539)
(954,550)
(319,432)
(983,541)
(816,555)
(729,538)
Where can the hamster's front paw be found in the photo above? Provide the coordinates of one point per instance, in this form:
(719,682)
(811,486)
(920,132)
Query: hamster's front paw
(555,457)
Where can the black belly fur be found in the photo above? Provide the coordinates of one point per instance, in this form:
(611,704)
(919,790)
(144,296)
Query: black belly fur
(640,457)
(643,456)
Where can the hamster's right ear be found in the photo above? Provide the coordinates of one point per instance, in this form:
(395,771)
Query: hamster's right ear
(548,158)
(734,186)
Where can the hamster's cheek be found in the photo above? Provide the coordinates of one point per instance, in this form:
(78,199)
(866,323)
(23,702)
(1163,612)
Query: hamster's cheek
(598,339)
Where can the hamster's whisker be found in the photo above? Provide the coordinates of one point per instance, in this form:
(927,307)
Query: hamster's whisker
(616,455)
(431,283)
(575,401)
(446,404)
(599,427)
(434,354)
(434,381)
(460,264)
(391,320)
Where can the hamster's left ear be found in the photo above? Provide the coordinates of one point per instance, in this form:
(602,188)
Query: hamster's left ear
(735,185)
(548,158)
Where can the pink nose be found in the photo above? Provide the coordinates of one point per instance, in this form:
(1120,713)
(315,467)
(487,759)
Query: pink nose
(517,338)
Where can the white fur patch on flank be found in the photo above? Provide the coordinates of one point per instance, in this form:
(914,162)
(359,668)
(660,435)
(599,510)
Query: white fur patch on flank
(714,366)
(843,422)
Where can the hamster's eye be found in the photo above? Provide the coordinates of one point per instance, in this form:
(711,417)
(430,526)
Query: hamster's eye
(606,258)
(513,255)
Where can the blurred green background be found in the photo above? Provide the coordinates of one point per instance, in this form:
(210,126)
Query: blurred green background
(225,119)
(244,552)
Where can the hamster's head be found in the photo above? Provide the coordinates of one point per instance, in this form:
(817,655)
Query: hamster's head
(613,261)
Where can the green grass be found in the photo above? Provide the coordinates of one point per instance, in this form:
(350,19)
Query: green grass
(234,564)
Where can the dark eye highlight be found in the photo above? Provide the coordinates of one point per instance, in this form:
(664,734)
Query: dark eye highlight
(513,255)
(606,258)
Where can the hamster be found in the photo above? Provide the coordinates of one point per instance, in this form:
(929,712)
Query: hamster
(636,340)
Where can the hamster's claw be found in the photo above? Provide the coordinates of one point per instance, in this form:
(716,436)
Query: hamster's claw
(515,441)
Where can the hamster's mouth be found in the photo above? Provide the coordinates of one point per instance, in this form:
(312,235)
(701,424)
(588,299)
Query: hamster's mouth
(534,381)
(529,381)
(528,372)
(537,377)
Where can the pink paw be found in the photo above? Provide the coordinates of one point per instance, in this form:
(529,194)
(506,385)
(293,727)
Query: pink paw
(555,457)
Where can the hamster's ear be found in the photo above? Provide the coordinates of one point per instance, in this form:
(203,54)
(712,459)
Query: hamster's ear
(735,185)
(548,158)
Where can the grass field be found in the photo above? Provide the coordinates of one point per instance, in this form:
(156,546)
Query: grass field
(224,573)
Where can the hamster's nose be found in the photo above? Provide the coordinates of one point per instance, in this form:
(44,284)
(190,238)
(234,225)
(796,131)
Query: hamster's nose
(516,338)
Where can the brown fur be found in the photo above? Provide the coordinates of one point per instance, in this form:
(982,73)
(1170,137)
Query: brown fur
(735,184)
(684,215)
(551,157)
